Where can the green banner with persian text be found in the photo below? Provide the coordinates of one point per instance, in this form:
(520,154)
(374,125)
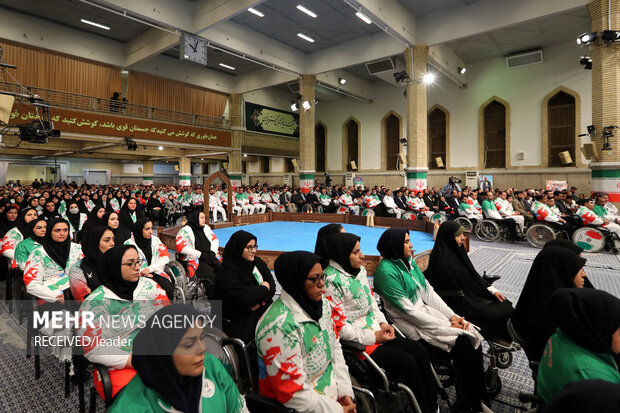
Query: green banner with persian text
(264,119)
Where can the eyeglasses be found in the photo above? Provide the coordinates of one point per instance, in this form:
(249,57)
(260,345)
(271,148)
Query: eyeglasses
(134,264)
(252,247)
(316,280)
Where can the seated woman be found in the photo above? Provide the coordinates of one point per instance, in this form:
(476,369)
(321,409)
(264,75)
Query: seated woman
(449,268)
(95,219)
(37,228)
(121,234)
(154,254)
(423,316)
(129,213)
(75,217)
(553,268)
(9,219)
(45,274)
(300,359)
(585,343)
(323,233)
(122,291)
(174,370)
(84,275)
(193,243)
(155,209)
(245,286)
(17,234)
(358,318)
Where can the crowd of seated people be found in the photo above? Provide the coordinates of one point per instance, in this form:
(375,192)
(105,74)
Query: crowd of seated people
(95,247)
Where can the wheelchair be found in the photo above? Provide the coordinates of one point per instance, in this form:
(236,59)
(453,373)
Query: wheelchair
(594,239)
(533,399)
(438,217)
(467,223)
(185,288)
(539,234)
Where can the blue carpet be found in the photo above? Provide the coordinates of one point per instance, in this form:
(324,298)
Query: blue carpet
(293,236)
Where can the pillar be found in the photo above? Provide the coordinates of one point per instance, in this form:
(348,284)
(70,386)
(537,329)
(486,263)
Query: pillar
(185,171)
(605,98)
(147,173)
(306,134)
(417,152)
(236,125)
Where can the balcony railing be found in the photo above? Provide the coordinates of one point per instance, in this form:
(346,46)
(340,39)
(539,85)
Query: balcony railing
(68,100)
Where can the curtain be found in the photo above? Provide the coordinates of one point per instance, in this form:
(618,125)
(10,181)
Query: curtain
(157,92)
(52,70)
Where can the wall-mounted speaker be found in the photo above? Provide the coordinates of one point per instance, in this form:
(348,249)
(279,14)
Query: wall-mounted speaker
(439,162)
(225,165)
(294,162)
(589,150)
(565,158)
(176,168)
(353,166)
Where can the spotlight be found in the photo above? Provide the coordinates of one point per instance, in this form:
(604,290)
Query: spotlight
(591,130)
(586,61)
(306,104)
(342,81)
(461,70)
(245,155)
(588,65)
(428,78)
(401,77)
(131,144)
(161,148)
(294,106)
(587,38)
(609,36)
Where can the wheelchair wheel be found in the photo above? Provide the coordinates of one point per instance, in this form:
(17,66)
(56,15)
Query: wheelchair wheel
(175,270)
(465,223)
(368,212)
(488,230)
(590,239)
(281,208)
(306,209)
(342,210)
(438,218)
(539,234)
(503,359)
(364,402)
(492,382)
(319,209)
(409,215)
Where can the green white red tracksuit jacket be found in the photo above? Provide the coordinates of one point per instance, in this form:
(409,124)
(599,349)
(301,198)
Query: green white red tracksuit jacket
(300,360)
(159,256)
(588,217)
(9,243)
(544,213)
(185,242)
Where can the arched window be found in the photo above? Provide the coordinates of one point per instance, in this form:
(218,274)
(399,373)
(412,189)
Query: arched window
(437,137)
(494,149)
(391,133)
(350,144)
(319,147)
(561,127)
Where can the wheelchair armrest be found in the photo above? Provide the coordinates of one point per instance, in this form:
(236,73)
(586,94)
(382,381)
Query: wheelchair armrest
(104,376)
(258,402)
(352,346)
(530,398)
(450,293)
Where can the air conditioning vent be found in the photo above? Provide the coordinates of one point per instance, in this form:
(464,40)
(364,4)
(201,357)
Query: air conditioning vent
(379,66)
(526,58)
(293,87)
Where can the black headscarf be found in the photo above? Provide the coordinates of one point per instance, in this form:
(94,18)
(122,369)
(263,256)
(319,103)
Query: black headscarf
(110,274)
(202,243)
(124,214)
(121,234)
(153,348)
(585,396)
(21,225)
(323,233)
(153,201)
(552,269)
(391,245)
(5,224)
(93,221)
(143,243)
(57,251)
(50,214)
(450,268)
(564,243)
(74,219)
(31,226)
(588,317)
(339,247)
(233,251)
(92,256)
(291,269)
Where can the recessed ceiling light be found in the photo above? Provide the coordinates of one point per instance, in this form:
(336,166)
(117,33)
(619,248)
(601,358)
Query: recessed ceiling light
(227,66)
(124,71)
(256,12)
(101,26)
(308,12)
(306,38)
(342,80)
(161,148)
(363,17)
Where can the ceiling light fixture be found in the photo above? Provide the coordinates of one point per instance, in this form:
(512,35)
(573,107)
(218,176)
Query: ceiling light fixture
(610,36)
(462,70)
(161,148)
(305,10)
(586,61)
(342,81)
(124,71)
(428,78)
(245,155)
(306,104)
(227,66)
(587,38)
(256,12)
(294,106)
(306,38)
(101,26)
(363,17)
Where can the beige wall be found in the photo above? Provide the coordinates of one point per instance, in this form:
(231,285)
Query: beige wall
(26,174)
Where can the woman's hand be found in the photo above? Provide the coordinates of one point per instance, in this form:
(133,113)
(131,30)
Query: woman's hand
(347,404)
(266,284)
(459,322)
(145,271)
(60,298)
(254,307)
(499,296)
(385,334)
(128,365)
